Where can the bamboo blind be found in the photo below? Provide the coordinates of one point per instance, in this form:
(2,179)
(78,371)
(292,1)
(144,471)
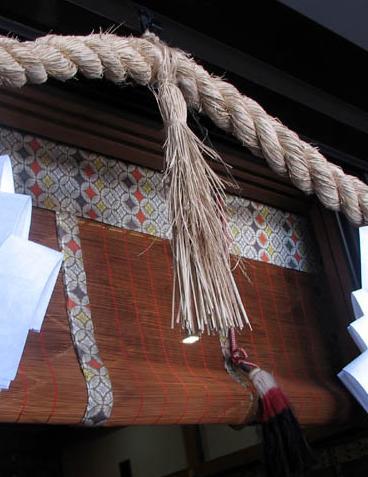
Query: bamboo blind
(156,379)
(49,387)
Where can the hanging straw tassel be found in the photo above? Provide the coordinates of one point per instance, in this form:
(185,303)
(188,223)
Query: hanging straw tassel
(285,449)
(208,296)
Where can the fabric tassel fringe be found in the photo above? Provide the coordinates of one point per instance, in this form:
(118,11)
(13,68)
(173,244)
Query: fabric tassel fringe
(285,448)
(286,451)
(208,296)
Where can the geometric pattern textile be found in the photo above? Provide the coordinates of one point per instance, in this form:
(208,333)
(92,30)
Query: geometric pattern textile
(264,233)
(99,388)
(62,178)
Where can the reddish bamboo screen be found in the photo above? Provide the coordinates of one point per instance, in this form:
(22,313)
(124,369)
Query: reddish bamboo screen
(156,379)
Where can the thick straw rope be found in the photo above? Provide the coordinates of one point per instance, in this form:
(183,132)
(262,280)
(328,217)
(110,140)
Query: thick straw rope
(140,59)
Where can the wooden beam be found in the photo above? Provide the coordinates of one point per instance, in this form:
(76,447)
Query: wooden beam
(230,59)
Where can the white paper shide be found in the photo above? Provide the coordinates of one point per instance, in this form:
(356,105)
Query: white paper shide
(355,374)
(28,272)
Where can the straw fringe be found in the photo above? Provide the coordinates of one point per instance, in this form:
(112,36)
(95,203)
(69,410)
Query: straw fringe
(208,296)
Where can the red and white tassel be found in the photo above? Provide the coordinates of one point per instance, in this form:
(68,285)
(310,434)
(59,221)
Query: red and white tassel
(285,448)
(272,397)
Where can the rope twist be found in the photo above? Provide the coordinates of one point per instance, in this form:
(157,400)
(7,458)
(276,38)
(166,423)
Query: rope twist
(140,59)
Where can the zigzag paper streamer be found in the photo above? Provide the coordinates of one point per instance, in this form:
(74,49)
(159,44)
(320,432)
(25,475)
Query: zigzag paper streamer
(28,272)
(355,374)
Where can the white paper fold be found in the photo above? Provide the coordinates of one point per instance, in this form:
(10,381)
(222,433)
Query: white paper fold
(358,330)
(355,375)
(363,239)
(14,323)
(15,215)
(35,268)
(28,273)
(6,175)
(355,378)
(359,301)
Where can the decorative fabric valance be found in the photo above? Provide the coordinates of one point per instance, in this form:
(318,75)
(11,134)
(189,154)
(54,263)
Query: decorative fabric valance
(61,178)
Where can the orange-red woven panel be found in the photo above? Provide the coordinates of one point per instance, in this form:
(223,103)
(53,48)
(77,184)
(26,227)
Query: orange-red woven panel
(157,379)
(292,325)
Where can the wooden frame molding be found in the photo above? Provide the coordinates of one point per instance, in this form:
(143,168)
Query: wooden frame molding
(66,117)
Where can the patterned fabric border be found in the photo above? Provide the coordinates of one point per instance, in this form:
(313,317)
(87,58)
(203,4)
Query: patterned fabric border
(62,178)
(99,388)
(263,233)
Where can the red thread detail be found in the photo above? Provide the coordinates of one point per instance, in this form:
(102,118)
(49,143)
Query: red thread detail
(238,355)
(143,341)
(25,392)
(208,395)
(139,196)
(297,257)
(92,214)
(229,238)
(35,145)
(263,238)
(90,192)
(260,219)
(157,313)
(302,342)
(184,347)
(93,363)
(141,217)
(35,167)
(73,245)
(274,402)
(264,257)
(89,171)
(230,400)
(276,309)
(70,303)
(137,174)
(122,347)
(261,314)
(36,190)
(294,237)
(315,304)
(252,339)
(52,374)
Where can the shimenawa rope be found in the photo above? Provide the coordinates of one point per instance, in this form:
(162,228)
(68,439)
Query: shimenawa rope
(140,59)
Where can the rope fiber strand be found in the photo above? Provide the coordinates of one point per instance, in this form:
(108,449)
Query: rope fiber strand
(140,59)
